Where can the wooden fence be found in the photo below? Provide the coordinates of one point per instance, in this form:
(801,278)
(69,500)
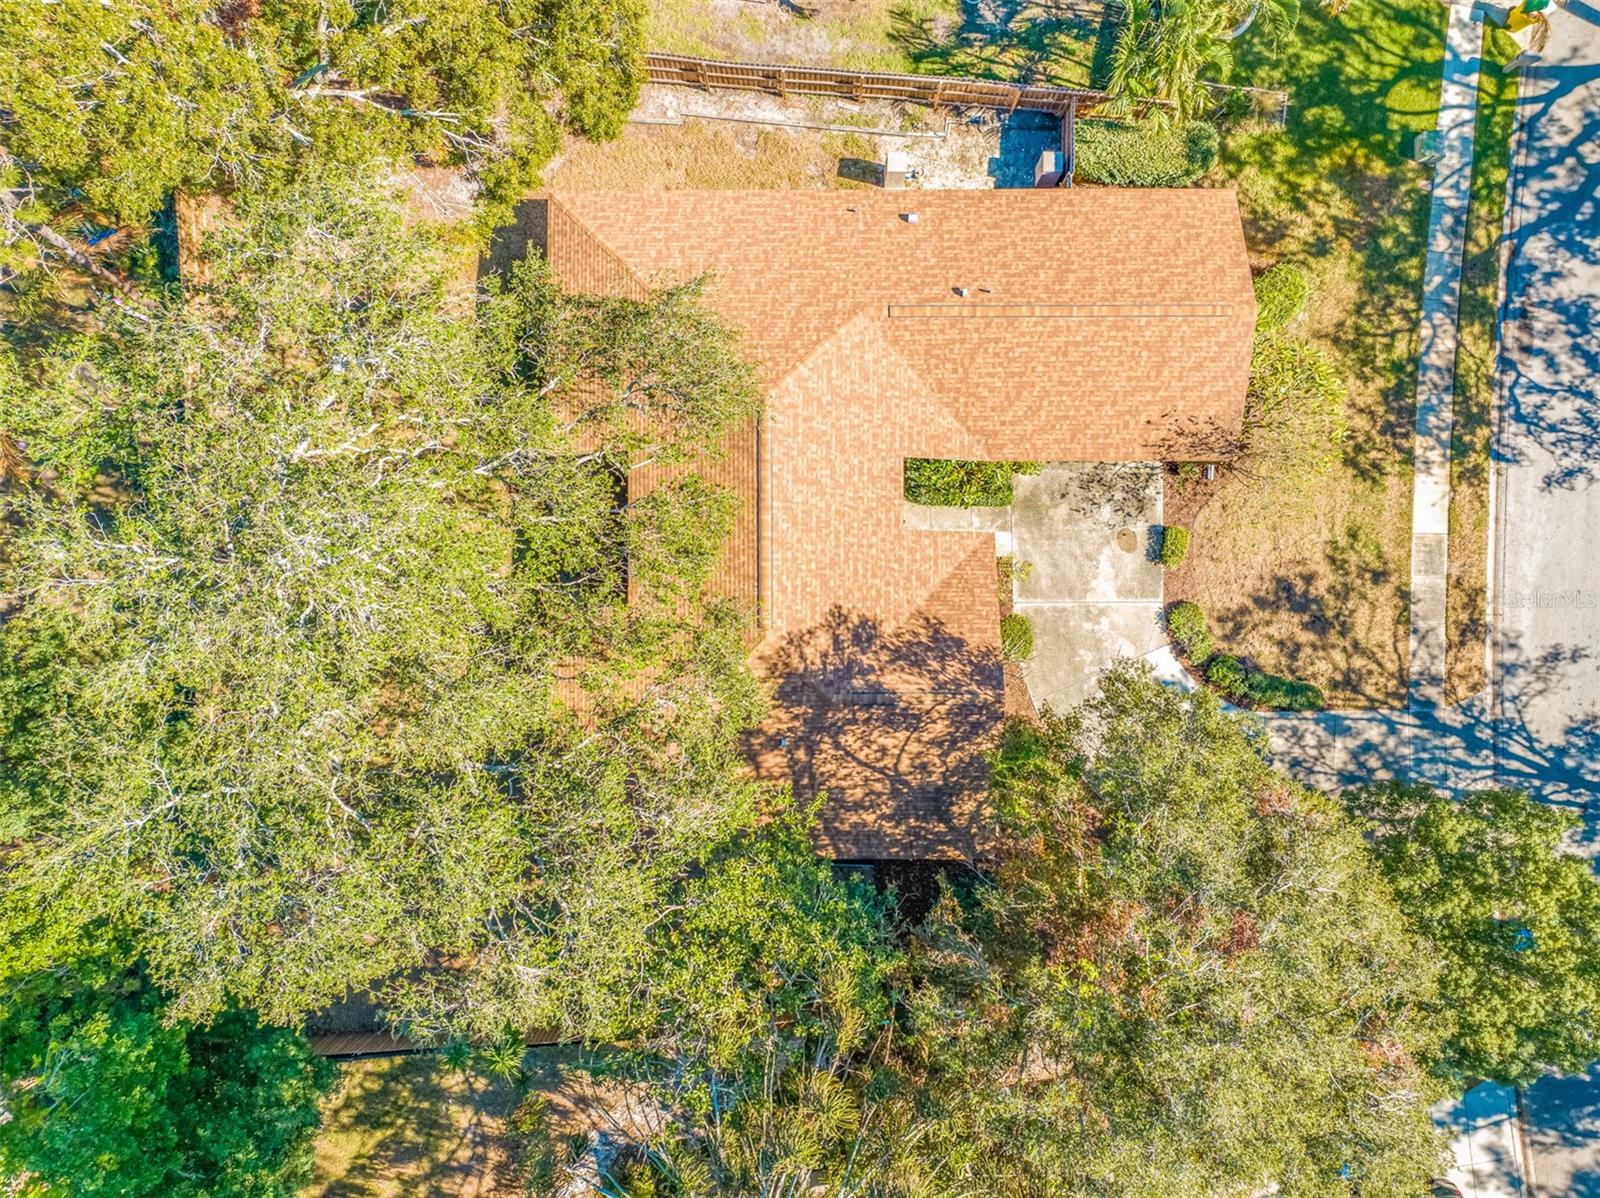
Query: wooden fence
(937,90)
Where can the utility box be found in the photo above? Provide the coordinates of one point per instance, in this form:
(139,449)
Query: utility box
(1426,147)
(1048,170)
(895,167)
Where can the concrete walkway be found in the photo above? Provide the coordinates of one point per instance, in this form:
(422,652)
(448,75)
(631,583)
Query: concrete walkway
(1429,741)
(1436,374)
(1539,727)
(1093,587)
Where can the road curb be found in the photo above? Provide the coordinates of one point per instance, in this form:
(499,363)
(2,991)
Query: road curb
(1530,1187)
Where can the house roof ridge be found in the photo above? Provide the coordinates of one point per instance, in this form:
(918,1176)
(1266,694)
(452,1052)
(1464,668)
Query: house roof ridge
(622,264)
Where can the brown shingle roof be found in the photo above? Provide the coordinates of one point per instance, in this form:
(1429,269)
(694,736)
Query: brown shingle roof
(1095,325)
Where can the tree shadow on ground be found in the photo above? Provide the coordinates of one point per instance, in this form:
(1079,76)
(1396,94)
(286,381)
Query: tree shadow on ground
(405,1126)
(1331,646)
(1021,41)
(1551,352)
(1337,184)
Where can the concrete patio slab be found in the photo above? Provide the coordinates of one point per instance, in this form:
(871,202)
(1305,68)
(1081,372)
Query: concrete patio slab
(1090,584)
(1074,643)
(1087,530)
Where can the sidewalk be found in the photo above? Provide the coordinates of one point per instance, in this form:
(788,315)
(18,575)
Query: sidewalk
(1436,374)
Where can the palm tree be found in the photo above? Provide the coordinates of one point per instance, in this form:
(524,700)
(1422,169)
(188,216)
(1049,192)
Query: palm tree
(1172,50)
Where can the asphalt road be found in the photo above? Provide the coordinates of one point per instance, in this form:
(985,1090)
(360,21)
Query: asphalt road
(1547,565)
(1546,715)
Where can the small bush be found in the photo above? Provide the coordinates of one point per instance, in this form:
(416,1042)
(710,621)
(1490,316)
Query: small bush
(1187,624)
(1016,637)
(941,482)
(1282,694)
(1227,675)
(1281,295)
(1174,545)
(1142,155)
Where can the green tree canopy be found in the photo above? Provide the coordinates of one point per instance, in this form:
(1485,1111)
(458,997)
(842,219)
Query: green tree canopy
(320,659)
(1512,915)
(111,105)
(106,1096)
(1187,977)
(1183,976)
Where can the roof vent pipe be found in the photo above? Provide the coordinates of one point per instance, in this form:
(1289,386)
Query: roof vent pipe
(909,217)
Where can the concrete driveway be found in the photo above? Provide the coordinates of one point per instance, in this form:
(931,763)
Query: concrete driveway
(1093,589)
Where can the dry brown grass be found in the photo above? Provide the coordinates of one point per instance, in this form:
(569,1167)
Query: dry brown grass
(1306,576)
(413,1127)
(873,35)
(1309,576)
(698,154)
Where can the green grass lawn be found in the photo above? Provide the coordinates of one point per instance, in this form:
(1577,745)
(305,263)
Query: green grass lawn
(1480,280)
(1308,577)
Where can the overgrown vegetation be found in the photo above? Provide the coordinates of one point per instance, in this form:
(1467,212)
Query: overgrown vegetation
(309,574)
(1144,849)
(1144,154)
(1171,51)
(1513,914)
(111,106)
(941,482)
(1466,599)
(1281,295)
(317,674)
(1308,577)
(105,1094)
(1188,626)
(1294,425)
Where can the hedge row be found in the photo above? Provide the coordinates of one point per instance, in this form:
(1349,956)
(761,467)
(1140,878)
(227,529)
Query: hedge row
(942,482)
(1143,155)
(1230,676)
(1187,624)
